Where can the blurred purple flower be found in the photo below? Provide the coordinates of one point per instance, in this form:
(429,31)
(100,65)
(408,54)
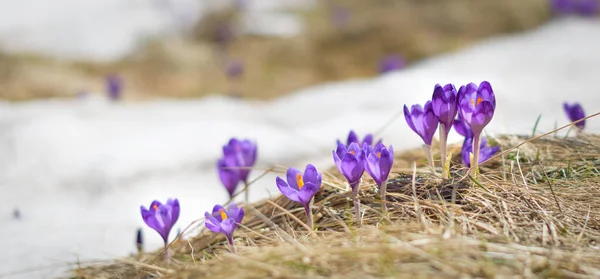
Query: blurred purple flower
(391,63)
(114,87)
(161,217)
(242,154)
(574,113)
(422,121)
(350,162)
(588,7)
(235,69)
(486,151)
(224,221)
(562,7)
(301,187)
(476,105)
(353,137)
(229,175)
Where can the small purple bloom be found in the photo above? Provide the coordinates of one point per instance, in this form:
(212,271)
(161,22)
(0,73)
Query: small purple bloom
(422,120)
(352,137)
(114,87)
(587,7)
(391,63)
(378,162)
(444,104)
(223,220)
(462,128)
(486,151)
(562,7)
(575,112)
(350,162)
(300,187)
(243,155)
(229,175)
(476,105)
(161,217)
(235,69)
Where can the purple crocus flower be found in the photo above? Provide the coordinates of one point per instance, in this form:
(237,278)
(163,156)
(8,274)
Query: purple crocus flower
(422,121)
(562,7)
(378,164)
(587,7)
(486,151)
(391,63)
(574,113)
(161,218)
(241,156)
(476,106)
(301,187)
(114,87)
(230,177)
(349,161)
(445,108)
(225,221)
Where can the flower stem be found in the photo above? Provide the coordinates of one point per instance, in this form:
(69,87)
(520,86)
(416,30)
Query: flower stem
(309,216)
(443,146)
(355,190)
(382,190)
(475,161)
(427,149)
(246,191)
(166,252)
(231,245)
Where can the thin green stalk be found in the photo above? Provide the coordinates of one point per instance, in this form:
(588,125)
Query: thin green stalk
(355,191)
(427,149)
(382,191)
(230,240)
(246,192)
(309,216)
(475,161)
(537,121)
(443,149)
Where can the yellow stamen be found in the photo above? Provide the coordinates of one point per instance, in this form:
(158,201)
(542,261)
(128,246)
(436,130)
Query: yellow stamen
(300,181)
(223,214)
(379,154)
(352,152)
(155,207)
(478,101)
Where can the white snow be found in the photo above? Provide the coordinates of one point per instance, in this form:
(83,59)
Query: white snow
(79,170)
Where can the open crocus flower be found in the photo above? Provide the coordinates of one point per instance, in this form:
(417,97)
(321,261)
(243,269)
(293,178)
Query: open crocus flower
(575,112)
(476,106)
(301,187)
(378,163)
(225,221)
(423,121)
(444,106)
(350,162)
(241,156)
(486,151)
(161,217)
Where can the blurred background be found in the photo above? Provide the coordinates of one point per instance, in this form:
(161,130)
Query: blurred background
(106,105)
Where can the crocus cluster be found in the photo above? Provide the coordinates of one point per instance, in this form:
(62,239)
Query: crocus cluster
(475,106)
(225,221)
(575,7)
(234,167)
(352,160)
(161,218)
(301,187)
(575,112)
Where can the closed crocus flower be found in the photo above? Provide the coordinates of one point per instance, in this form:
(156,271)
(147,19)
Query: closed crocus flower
(241,156)
(350,162)
(486,151)
(301,187)
(161,218)
(225,221)
(423,121)
(378,163)
(476,107)
(444,104)
(575,112)
(230,177)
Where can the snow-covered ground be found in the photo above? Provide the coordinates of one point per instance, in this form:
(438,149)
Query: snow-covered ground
(109,29)
(79,170)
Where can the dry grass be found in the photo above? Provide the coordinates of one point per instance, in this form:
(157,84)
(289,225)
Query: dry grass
(534,213)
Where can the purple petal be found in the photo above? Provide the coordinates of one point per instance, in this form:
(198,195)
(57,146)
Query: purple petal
(352,137)
(352,168)
(228,226)
(444,104)
(212,223)
(311,175)
(217,212)
(174,210)
(372,167)
(291,176)
(236,213)
(307,193)
(368,139)
(228,175)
